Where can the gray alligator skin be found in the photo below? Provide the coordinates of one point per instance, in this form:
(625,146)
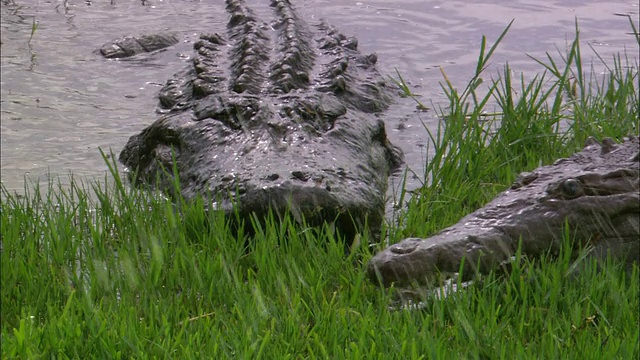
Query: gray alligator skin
(132,45)
(280,116)
(595,192)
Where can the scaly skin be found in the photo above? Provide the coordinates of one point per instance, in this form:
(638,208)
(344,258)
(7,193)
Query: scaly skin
(129,45)
(595,192)
(281,117)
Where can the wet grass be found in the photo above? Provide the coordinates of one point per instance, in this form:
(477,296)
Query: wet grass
(125,274)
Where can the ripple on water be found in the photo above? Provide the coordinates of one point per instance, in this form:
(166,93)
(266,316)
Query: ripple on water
(61,102)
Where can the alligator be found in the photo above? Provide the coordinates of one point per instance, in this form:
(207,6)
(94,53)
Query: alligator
(595,193)
(128,46)
(283,118)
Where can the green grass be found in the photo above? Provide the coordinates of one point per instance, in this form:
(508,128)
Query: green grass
(489,134)
(111,272)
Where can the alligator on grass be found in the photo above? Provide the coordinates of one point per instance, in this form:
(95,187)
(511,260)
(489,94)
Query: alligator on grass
(281,116)
(596,192)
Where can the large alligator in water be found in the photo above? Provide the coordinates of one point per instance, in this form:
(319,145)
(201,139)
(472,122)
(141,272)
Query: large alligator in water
(596,192)
(283,117)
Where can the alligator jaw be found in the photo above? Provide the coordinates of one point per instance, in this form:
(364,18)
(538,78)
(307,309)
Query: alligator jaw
(433,260)
(308,206)
(440,257)
(595,194)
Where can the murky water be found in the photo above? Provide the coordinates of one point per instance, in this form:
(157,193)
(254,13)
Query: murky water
(61,102)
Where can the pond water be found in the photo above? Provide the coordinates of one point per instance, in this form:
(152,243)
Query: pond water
(61,102)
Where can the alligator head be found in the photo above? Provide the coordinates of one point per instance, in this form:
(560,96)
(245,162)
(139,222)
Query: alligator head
(132,45)
(281,117)
(595,192)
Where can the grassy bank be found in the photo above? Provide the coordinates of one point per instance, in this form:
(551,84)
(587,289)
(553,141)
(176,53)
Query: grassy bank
(130,275)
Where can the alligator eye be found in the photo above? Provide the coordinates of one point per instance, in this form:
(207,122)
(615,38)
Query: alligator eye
(571,188)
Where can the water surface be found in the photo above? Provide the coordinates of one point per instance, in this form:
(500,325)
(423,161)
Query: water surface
(61,102)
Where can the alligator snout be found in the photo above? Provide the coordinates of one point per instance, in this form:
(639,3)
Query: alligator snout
(308,203)
(593,195)
(411,260)
(441,257)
